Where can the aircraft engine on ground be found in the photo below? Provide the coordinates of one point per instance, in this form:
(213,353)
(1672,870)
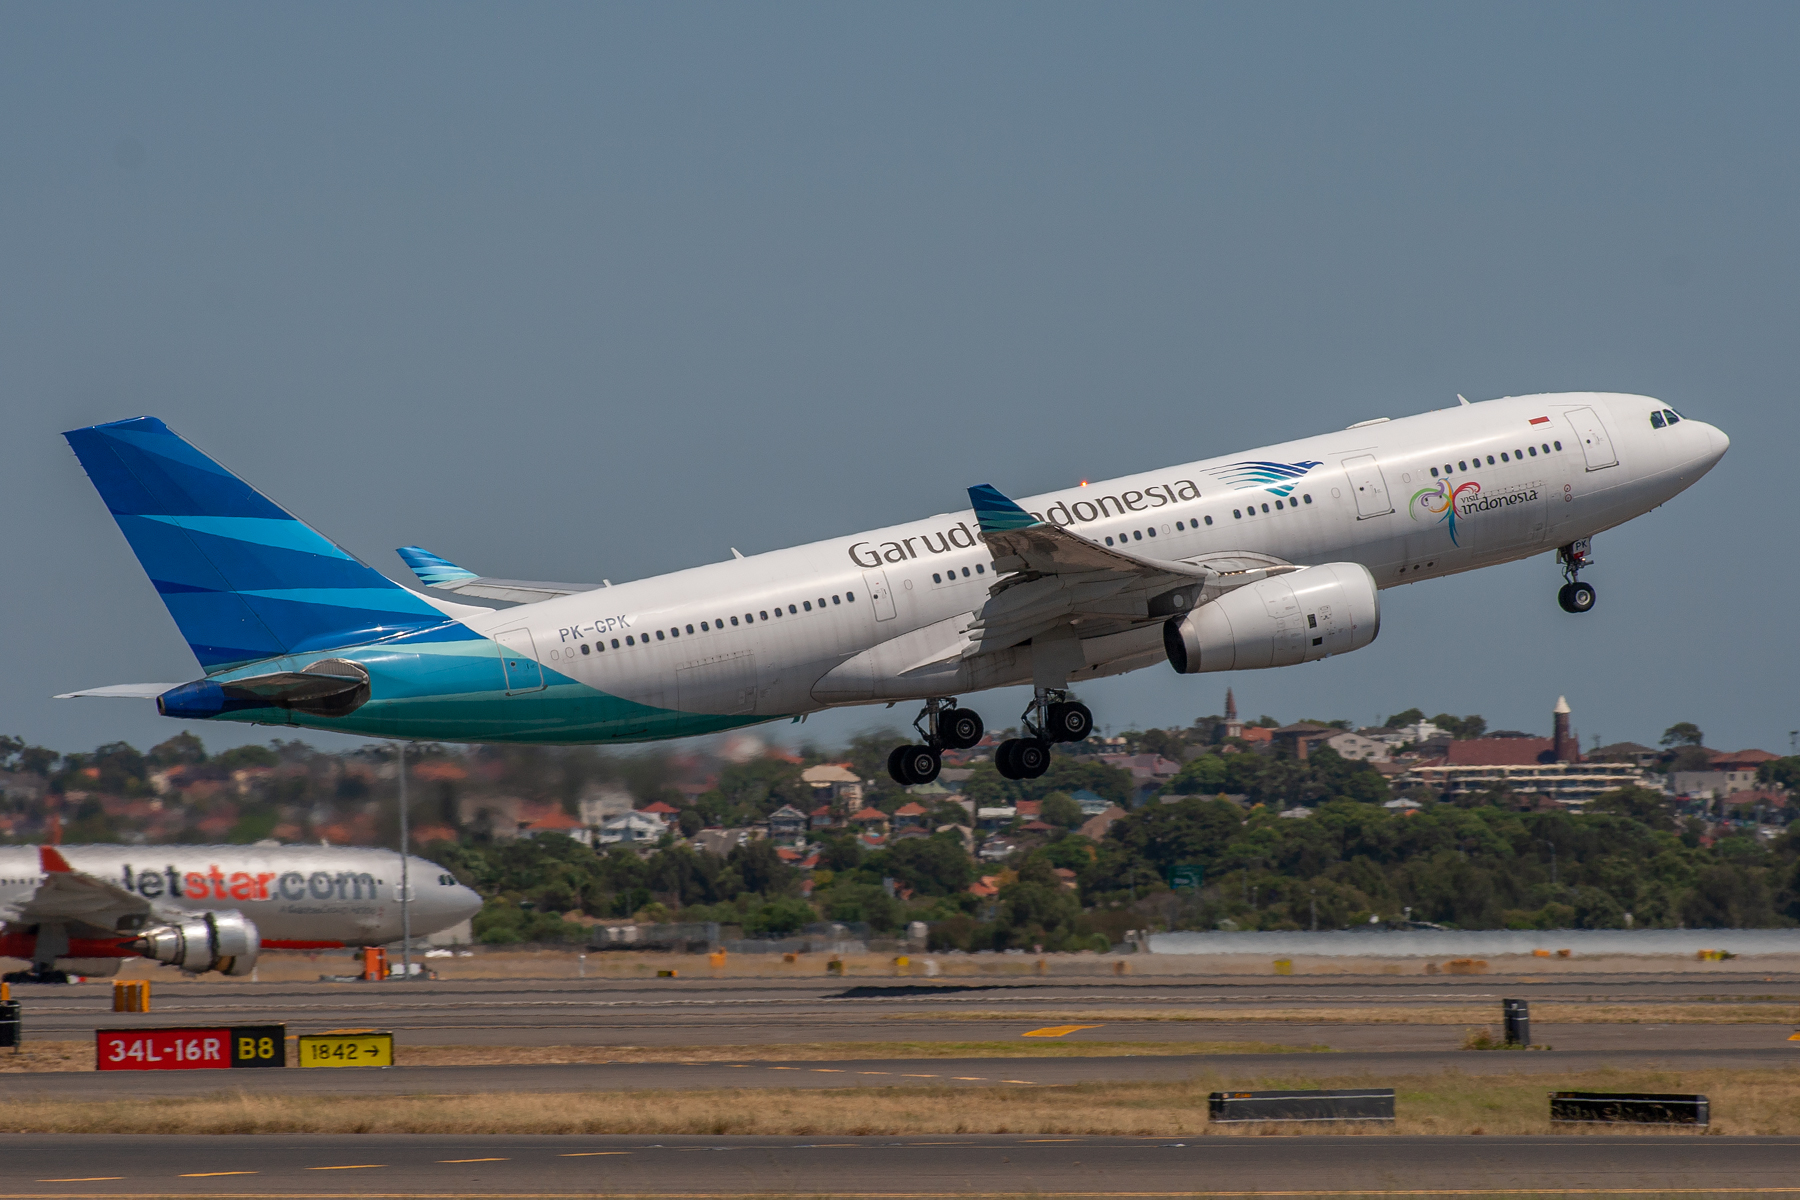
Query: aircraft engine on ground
(226,942)
(1294,618)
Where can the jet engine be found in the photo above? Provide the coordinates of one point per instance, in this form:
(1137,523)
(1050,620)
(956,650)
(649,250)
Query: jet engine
(1294,618)
(226,942)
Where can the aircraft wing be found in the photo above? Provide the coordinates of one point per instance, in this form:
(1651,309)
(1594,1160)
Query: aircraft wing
(446,576)
(1051,576)
(129,691)
(68,895)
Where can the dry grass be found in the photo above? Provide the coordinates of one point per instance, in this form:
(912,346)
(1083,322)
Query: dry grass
(1743,1102)
(1774,1012)
(79,1056)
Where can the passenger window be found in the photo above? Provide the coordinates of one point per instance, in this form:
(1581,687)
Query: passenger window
(1490,460)
(1278,506)
(1546,447)
(1179,525)
(765,616)
(615,643)
(659,635)
(1237,513)
(1461,465)
(980,570)
(1656,420)
(965,572)
(584,648)
(1306,496)
(690,629)
(835,600)
(1559,444)
(777,612)
(1533,450)
(792,611)
(1152,531)
(1265,508)
(821,602)
(1138,534)
(734,620)
(676,632)
(1670,414)
(628,641)
(1209,520)
(935,578)
(849,597)
(1503,457)
(807,604)
(1434,472)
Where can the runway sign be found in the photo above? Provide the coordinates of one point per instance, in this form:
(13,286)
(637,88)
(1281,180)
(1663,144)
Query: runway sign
(350,1048)
(1656,1108)
(209,1049)
(1362,1104)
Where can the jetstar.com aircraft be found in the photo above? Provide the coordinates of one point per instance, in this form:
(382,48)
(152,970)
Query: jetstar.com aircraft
(209,908)
(1263,559)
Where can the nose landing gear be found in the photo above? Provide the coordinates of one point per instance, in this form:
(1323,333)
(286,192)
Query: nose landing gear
(1575,596)
(1052,716)
(945,727)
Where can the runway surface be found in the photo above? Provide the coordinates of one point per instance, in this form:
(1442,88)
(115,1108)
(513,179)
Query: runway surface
(916,1072)
(380,1165)
(680,1013)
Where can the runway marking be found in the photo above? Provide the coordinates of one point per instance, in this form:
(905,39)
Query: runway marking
(785,1068)
(210,1174)
(970,1078)
(1056,1031)
(827,1071)
(464,1160)
(592,1153)
(1026,1081)
(349,1167)
(872,1072)
(82,1179)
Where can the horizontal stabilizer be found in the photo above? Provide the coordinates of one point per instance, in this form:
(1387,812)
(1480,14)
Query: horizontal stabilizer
(129,691)
(446,576)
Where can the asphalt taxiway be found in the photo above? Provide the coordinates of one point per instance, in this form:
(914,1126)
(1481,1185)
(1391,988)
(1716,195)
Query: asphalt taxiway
(888,1167)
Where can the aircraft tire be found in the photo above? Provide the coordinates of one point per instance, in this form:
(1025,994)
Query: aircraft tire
(894,764)
(1576,597)
(960,728)
(919,764)
(1070,722)
(1005,760)
(1032,758)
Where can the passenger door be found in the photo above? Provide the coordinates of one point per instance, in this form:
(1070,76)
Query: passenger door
(1596,443)
(881,597)
(518,661)
(1368,486)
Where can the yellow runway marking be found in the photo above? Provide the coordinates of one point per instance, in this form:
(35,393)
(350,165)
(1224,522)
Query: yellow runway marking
(784,1068)
(826,1071)
(871,1072)
(918,1076)
(1056,1030)
(350,1167)
(970,1078)
(210,1174)
(1033,1084)
(463,1160)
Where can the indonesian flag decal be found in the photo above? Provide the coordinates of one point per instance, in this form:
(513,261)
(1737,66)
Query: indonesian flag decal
(1540,420)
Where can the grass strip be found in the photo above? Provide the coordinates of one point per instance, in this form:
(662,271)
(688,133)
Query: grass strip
(1743,1102)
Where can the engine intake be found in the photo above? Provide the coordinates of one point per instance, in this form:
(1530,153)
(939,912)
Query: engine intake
(1303,616)
(226,942)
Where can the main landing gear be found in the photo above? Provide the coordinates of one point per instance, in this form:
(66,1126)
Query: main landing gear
(944,727)
(1052,716)
(1576,596)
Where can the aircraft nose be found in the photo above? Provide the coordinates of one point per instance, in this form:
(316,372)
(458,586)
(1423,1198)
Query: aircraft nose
(466,902)
(1717,443)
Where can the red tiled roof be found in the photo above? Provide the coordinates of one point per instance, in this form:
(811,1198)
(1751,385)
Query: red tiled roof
(554,819)
(659,807)
(910,810)
(1747,758)
(869,814)
(1499,752)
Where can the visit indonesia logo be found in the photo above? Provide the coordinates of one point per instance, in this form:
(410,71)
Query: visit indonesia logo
(1465,500)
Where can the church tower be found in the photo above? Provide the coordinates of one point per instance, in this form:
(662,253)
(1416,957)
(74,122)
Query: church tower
(1566,749)
(1233,726)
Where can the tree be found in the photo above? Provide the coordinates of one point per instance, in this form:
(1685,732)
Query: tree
(1060,808)
(184,749)
(1461,728)
(1682,733)
(1411,716)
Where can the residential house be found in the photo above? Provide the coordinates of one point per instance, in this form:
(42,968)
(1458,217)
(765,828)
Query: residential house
(1148,771)
(1357,748)
(1092,803)
(787,824)
(1300,738)
(555,820)
(869,820)
(1095,827)
(632,828)
(834,785)
(998,817)
(909,817)
(1642,757)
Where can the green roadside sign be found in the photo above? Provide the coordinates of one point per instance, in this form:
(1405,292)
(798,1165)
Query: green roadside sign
(1186,875)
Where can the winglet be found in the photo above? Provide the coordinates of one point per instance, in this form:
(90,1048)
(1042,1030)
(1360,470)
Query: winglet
(997,514)
(434,571)
(51,861)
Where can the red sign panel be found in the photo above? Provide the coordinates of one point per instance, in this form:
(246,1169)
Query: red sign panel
(163,1049)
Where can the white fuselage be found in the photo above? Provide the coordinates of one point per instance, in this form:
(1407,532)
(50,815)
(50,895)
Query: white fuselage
(849,620)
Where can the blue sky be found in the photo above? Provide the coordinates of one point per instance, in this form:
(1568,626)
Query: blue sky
(578,291)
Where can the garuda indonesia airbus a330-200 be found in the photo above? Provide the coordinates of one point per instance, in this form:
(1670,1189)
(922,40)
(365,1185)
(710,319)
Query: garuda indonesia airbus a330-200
(1266,559)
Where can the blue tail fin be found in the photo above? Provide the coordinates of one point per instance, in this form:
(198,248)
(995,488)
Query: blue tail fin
(244,579)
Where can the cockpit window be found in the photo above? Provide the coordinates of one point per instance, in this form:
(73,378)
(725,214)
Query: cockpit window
(1670,414)
(1656,420)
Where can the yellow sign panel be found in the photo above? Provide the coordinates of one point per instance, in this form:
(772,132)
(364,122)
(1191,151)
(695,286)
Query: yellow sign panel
(346,1049)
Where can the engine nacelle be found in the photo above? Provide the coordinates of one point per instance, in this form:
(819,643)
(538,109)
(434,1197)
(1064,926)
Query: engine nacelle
(226,942)
(1294,618)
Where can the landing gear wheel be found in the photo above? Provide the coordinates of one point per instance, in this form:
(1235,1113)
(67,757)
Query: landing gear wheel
(1005,760)
(1576,597)
(918,764)
(1068,722)
(960,728)
(1032,758)
(896,771)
